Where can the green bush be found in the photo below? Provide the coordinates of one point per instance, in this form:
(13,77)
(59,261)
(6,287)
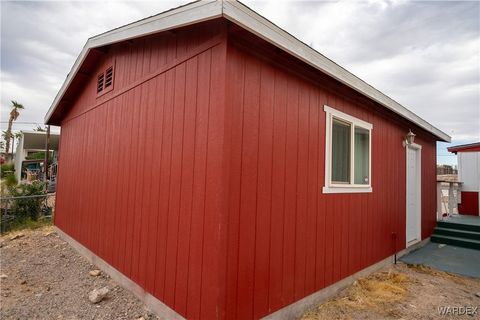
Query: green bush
(27,208)
(39,156)
(6,169)
(10,180)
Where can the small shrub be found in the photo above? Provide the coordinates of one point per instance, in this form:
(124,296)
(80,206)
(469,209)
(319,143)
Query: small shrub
(10,180)
(27,207)
(6,169)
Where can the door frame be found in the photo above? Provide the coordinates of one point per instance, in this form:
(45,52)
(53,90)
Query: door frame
(418,164)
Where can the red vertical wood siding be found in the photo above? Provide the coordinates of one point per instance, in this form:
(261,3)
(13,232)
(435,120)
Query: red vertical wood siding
(200,175)
(286,239)
(469,205)
(139,181)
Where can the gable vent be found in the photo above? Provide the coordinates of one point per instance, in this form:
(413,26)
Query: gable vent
(105,81)
(100,83)
(109,77)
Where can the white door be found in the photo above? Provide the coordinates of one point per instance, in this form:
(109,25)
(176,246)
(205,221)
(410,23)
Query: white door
(414,199)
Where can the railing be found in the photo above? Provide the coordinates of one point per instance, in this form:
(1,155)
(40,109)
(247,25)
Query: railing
(448,197)
(15,209)
(52,171)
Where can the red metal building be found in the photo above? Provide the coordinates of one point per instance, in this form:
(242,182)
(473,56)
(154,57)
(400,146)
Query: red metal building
(228,170)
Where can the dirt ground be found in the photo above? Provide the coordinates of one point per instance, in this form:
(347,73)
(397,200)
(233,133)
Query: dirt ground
(404,292)
(42,277)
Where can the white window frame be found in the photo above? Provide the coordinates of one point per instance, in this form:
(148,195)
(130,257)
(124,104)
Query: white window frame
(330,187)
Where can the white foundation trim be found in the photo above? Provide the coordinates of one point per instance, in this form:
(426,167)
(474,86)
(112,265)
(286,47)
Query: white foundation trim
(296,309)
(152,303)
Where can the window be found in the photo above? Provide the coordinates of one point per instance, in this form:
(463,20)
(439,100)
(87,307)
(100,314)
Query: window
(340,151)
(105,81)
(347,153)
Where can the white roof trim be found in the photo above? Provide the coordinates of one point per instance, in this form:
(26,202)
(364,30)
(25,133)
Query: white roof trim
(182,16)
(248,19)
(255,23)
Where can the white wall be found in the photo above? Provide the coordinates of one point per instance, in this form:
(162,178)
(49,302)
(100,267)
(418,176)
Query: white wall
(469,170)
(19,157)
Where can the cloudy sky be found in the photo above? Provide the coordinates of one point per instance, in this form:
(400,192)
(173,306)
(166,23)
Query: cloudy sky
(425,55)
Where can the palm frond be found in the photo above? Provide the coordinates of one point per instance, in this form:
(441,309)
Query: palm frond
(16,105)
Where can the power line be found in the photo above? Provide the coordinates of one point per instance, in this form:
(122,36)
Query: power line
(23,122)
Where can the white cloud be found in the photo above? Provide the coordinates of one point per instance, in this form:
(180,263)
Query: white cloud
(424,55)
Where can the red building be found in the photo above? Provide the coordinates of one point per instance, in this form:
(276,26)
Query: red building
(229,170)
(468,156)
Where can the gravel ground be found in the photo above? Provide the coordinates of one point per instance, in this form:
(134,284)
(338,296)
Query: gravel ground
(42,277)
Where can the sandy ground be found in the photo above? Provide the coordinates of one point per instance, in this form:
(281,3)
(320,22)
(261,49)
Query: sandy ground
(44,278)
(404,292)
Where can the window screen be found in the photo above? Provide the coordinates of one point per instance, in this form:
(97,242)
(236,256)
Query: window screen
(361,157)
(341,151)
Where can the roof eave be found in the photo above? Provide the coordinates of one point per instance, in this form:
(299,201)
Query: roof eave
(255,23)
(183,16)
(463,147)
(243,16)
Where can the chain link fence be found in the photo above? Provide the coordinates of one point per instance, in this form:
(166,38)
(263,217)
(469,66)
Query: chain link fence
(17,210)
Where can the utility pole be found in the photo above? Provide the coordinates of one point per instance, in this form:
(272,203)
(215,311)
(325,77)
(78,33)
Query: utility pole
(47,151)
(13,144)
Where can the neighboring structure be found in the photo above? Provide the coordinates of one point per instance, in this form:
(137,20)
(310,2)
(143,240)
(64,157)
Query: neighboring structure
(30,143)
(448,195)
(445,169)
(468,157)
(229,170)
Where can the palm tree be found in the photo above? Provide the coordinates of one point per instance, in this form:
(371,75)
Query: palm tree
(4,136)
(14,113)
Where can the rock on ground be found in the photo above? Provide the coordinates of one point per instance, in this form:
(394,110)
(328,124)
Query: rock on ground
(94,273)
(97,295)
(17,236)
(56,282)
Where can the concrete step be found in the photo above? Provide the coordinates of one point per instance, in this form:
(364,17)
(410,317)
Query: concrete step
(458,226)
(459,242)
(457,233)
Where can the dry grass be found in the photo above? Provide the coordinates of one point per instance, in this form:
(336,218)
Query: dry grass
(376,293)
(27,225)
(446,275)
